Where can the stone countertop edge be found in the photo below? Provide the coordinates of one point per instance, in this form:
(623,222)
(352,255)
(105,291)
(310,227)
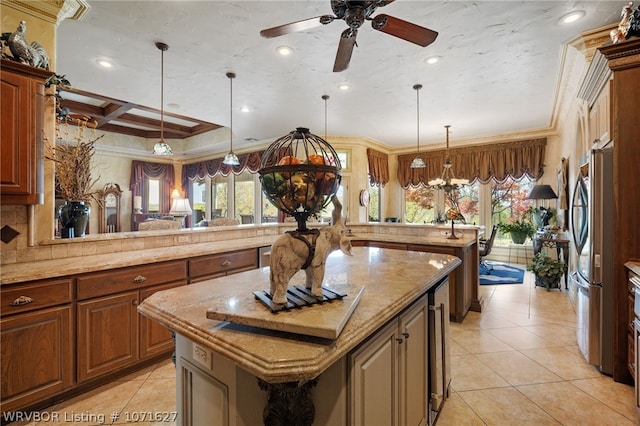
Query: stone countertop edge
(633,265)
(54,268)
(279,357)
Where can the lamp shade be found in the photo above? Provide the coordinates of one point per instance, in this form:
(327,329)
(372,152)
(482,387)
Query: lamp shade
(180,207)
(542,192)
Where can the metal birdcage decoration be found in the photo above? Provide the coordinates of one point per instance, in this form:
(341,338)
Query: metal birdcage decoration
(300,173)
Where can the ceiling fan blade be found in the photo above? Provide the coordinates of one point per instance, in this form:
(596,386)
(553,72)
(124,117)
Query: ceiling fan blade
(345,48)
(294,27)
(404,30)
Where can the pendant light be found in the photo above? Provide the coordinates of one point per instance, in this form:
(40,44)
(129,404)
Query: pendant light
(161,147)
(231,159)
(447,180)
(418,163)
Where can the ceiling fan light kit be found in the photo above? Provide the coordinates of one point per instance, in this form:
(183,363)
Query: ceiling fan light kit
(354,14)
(161,147)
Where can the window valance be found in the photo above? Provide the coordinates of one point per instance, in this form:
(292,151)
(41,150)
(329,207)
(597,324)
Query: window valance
(378,167)
(210,168)
(483,163)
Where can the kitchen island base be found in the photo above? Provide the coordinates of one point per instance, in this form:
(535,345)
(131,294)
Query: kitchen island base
(405,366)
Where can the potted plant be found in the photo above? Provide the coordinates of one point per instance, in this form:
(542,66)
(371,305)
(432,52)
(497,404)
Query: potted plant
(519,229)
(548,271)
(74,180)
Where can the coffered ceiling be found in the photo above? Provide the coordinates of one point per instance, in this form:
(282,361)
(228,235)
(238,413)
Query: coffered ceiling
(498,72)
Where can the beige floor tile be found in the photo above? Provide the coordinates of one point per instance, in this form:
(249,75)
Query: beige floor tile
(140,375)
(570,406)
(617,396)
(95,407)
(156,398)
(457,413)
(516,368)
(476,341)
(564,361)
(506,406)
(164,370)
(559,335)
(456,349)
(519,338)
(469,373)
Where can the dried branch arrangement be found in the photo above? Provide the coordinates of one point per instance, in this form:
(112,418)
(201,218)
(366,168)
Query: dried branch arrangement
(72,155)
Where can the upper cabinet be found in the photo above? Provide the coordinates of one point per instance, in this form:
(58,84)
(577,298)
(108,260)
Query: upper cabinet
(21,128)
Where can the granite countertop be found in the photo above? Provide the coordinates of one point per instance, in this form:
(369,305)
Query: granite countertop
(21,272)
(633,265)
(393,279)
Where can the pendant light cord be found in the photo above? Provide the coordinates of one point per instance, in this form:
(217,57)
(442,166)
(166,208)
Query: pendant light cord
(417,88)
(231,77)
(161,94)
(447,142)
(325,97)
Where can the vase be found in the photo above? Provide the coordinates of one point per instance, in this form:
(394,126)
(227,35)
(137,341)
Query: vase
(74,215)
(518,237)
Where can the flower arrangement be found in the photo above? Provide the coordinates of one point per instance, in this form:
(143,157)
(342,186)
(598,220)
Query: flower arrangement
(519,229)
(72,157)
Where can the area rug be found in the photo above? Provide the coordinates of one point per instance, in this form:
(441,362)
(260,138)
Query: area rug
(501,274)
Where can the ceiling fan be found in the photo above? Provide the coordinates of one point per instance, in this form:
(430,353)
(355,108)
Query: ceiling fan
(354,13)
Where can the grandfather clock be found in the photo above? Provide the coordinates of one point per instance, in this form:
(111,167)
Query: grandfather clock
(110,208)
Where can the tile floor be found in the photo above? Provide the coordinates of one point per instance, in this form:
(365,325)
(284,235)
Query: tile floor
(517,363)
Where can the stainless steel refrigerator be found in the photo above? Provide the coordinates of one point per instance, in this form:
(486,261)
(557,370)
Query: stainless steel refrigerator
(592,227)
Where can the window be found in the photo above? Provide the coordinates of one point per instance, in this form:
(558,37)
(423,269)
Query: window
(374,204)
(509,199)
(244,196)
(153,193)
(199,191)
(269,211)
(419,205)
(219,201)
(466,200)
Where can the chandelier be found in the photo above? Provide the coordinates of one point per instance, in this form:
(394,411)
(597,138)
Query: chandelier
(447,180)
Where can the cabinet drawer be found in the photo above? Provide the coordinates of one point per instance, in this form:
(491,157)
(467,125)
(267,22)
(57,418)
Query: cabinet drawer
(123,279)
(223,262)
(36,295)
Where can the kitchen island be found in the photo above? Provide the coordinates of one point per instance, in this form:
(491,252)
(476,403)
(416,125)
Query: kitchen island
(230,372)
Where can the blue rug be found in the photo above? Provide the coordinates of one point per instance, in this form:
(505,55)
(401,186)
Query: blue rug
(501,274)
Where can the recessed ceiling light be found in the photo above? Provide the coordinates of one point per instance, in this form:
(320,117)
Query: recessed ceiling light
(433,60)
(245,109)
(344,86)
(284,50)
(104,63)
(572,16)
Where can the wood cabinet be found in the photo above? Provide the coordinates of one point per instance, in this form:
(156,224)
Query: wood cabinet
(37,341)
(218,265)
(463,282)
(111,333)
(21,129)
(624,60)
(389,375)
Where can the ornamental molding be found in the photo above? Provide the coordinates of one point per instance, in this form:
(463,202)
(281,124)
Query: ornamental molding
(51,11)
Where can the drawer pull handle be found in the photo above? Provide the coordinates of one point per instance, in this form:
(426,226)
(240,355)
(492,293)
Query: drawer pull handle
(139,279)
(406,335)
(399,340)
(22,300)
(226,263)
(134,303)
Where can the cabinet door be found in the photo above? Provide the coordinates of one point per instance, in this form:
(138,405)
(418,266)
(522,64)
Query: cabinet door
(414,365)
(21,175)
(440,365)
(36,356)
(107,334)
(373,386)
(154,337)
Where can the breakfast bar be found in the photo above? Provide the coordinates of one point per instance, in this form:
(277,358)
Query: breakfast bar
(230,371)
